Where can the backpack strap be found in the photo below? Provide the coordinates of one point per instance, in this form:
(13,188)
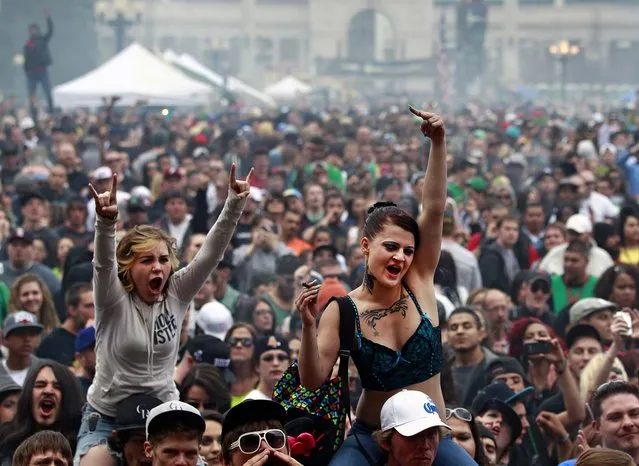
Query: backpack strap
(346,335)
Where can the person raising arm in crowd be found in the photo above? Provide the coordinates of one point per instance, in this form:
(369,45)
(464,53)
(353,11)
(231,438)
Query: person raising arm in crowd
(398,339)
(140,303)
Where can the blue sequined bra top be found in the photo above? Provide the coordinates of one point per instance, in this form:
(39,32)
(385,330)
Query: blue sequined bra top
(383,369)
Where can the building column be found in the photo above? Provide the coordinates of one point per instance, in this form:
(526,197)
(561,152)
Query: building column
(510,47)
(248,38)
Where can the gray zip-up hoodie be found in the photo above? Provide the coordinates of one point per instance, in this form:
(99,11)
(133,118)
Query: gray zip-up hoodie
(136,343)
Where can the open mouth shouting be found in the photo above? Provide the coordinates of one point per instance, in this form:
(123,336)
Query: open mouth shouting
(156,285)
(47,411)
(393,271)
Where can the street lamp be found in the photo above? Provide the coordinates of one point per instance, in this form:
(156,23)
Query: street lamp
(119,15)
(562,50)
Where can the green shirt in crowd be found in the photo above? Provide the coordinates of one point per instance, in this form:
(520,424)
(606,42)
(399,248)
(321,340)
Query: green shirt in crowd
(563,295)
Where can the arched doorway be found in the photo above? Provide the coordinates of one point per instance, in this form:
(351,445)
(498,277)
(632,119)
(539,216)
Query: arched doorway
(370,37)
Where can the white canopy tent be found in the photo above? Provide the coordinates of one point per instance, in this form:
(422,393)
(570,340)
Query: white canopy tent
(192,65)
(287,89)
(134,74)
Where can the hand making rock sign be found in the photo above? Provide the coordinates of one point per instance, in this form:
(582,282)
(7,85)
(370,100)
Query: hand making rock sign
(106,204)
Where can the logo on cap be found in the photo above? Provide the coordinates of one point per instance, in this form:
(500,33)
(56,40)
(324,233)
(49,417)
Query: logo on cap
(430,407)
(142,411)
(273,343)
(23,317)
(220,362)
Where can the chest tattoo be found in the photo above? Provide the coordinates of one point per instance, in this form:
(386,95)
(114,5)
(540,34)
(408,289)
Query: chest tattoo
(371,316)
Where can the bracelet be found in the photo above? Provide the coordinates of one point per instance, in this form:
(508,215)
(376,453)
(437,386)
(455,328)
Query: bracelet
(565,438)
(560,369)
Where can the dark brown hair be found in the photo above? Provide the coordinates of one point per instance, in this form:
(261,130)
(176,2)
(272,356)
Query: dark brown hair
(578,246)
(507,218)
(604,457)
(42,442)
(75,292)
(608,389)
(385,213)
(211,380)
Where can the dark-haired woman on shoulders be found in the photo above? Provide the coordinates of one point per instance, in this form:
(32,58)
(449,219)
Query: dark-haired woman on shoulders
(397,342)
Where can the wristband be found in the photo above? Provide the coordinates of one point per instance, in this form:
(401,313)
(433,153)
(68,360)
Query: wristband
(565,438)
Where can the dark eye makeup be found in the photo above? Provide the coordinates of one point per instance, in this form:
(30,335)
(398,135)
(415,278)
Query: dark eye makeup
(392,246)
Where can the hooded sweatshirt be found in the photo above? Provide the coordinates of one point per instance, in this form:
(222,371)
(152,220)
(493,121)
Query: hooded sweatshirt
(137,343)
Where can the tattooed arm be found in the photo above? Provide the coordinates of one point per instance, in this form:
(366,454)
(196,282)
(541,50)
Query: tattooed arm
(371,316)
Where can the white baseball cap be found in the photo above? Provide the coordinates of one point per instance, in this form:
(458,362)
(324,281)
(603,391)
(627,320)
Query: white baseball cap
(579,223)
(256,194)
(27,123)
(103,173)
(215,319)
(410,412)
(167,414)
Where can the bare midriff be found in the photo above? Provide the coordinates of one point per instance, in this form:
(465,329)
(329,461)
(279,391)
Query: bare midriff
(370,404)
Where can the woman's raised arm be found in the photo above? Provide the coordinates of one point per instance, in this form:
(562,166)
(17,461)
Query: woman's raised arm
(187,281)
(107,289)
(433,195)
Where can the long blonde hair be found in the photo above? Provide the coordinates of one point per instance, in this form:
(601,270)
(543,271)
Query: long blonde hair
(47,314)
(156,186)
(604,457)
(139,240)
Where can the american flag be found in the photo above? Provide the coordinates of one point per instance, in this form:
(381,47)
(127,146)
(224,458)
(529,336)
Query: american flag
(442,61)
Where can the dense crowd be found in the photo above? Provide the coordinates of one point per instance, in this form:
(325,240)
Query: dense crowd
(160,274)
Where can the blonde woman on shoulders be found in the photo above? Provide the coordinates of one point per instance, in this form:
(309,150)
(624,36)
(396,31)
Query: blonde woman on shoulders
(141,300)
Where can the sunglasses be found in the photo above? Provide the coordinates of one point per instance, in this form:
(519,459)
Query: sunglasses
(279,357)
(250,442)
(540,286)
(460,413)
(245,342)
(605,385)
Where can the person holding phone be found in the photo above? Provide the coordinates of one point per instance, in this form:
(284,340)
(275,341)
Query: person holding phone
(260,256)
(543,354)
(141,300)
(397,342)
(601,368)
